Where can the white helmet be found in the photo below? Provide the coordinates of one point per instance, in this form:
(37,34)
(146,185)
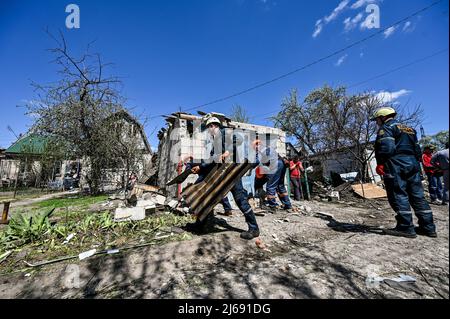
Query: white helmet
(212,120)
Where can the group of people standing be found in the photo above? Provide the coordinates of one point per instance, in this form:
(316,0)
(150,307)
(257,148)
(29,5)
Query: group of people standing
(398,156)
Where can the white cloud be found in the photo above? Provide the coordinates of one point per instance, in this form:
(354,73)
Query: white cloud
(389,32)
(366,24)
(327,19)
(318,29)
(408,26)
(360,3)
(388,97)
(350,24)
(341,60)
(341,6)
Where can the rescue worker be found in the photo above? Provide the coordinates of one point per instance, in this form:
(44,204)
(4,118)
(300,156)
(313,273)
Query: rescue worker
(398,155)
(274,167)
(260,180)
(433,175)
(219,153)
(440,160)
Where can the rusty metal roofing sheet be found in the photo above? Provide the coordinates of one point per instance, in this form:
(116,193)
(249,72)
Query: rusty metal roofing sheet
(202,197)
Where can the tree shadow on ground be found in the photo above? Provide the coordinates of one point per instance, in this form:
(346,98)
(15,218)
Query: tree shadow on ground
(353,228)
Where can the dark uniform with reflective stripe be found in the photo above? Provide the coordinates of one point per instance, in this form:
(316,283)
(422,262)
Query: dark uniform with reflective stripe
(220,145)
(397,148)
(275,169)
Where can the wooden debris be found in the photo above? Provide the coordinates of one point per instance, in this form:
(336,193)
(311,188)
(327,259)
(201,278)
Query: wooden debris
(146,188)
(369,191)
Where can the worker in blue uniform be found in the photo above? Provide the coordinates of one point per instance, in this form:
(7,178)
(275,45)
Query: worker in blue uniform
(273,166)
(398,156)
(219,153)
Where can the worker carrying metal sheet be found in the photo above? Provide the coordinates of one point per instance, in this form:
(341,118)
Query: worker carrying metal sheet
(220,153)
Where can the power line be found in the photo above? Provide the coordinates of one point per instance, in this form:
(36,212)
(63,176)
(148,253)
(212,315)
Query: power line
(376,76)
(317,61)
(312,63)
(399,68)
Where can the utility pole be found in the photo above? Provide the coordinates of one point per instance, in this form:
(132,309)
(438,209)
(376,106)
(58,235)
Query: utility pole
(422,132)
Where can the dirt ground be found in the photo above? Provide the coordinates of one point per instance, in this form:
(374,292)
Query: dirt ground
(306,255)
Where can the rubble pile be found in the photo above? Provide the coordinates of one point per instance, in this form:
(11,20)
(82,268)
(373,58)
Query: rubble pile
(143,200)
(347,192)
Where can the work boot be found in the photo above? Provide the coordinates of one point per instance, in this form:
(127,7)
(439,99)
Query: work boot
(271,209)
(196,227)
(423,232)
(288,208)
(436,202)
(250,234)
(399,233)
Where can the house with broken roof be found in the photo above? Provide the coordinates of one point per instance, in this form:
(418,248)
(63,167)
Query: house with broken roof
(183,137)
(342,163)
(21,162)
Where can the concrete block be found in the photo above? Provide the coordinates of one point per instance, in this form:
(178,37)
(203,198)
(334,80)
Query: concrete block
(147,204)
(126,214)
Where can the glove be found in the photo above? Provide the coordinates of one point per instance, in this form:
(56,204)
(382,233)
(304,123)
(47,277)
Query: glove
(258,172)
(195,169)
(380,170)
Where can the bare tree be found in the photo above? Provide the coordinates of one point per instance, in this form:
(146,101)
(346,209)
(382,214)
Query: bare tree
(330,120)
(239,114)
(74,109)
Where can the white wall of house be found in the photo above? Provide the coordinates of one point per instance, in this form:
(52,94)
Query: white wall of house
(342,162)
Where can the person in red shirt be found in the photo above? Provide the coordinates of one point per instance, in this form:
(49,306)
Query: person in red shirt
(433,174)
(296,167)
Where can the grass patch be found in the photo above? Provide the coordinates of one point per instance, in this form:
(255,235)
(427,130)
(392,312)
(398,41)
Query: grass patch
(82,201)
(40,236)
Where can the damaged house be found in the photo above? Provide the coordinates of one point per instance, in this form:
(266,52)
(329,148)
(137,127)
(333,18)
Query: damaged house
(343,162)
(181,138)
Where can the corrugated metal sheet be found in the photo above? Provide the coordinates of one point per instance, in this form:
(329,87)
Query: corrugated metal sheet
(202,197)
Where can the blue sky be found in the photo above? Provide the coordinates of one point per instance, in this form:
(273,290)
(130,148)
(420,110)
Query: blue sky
(174,54)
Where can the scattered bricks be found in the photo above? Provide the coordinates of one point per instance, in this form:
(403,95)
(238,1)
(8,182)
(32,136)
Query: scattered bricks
(334,196)
(158,199)
(172,204)
(259,243)
(148,205)
(126,214)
